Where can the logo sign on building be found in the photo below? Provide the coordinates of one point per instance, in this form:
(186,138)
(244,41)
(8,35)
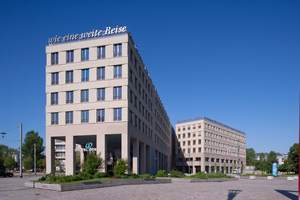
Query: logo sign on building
(88,147)
(274,169)
(92,34)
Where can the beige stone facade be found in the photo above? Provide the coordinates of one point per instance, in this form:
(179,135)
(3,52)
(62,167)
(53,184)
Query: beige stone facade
(206,145)
(101,97)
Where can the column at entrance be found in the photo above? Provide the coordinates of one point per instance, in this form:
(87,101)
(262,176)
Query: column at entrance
(50,158)
(70,155)
(135,156)
(101,148)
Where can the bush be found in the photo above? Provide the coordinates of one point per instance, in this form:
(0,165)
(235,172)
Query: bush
(121,167)
(93,163)
(42,178)
(66,178)
(101,175)
(146,176)
(162,173)
(175,174)
(134,176)
(84,176)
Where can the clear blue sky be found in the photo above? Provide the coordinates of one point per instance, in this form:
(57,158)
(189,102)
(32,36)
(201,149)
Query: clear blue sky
(236,62)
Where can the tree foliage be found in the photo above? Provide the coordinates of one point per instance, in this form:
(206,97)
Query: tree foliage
(121,167)
(293,159)
(10,161)
(93,163)
(250,157)
(28,148)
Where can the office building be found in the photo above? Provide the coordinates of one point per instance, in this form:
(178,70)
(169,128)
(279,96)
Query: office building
(101,97)
(206,145)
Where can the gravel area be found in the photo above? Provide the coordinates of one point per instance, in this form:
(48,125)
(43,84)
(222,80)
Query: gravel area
(13,188)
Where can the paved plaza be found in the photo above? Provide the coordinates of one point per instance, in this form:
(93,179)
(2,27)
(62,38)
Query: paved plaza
(13,188)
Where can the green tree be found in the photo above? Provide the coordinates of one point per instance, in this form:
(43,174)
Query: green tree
(3,152)
(10,161)
(93,163)
(293,159)
(28,148)
(121,167)
(57,163)
(250,157)
(271,157)
(41,163)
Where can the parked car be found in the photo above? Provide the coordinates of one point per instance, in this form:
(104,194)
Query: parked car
(4,173)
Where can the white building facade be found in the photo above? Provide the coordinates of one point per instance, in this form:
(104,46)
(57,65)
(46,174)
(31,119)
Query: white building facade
(204,145)
(101,97)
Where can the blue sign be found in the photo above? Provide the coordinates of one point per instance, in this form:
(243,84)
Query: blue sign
(88,145)
(274,171)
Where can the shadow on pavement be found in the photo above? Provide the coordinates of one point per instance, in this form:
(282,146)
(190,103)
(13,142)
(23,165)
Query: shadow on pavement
(288,194)
(233,193)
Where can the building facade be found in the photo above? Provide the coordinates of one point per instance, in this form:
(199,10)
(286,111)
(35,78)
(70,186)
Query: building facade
(206,145)
(101,97)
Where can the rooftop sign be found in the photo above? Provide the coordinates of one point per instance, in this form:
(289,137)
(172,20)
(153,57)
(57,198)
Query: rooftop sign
(85,35)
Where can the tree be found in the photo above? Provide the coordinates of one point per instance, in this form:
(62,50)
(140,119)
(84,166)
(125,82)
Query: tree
(93,163)
(293,159)
(10,162)
(121,167)
(272,156)
(41,163)
(57,163)
(250,157)
(28,148)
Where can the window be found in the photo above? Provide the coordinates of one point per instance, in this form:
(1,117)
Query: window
(101,94)
(117,50)
(69,77)
(212,160)
(54,98)
(194,142)
(117,114)
(130,116)
(54,78)
(130,75)
(135,83)
(118,71)
(189,135)
(100,73)
(84,75)
(199,150)
(178,136)
(84,116)
(70,56)
(84,54)
(54,118)
(194,150)
(54,58)
(69,117)
(100,115)
(101,52)
(84,95)
(69,97)
(199,141)
(117,93)
(198,158)
(135,64)
(135,101)
(206,159)
(130,96)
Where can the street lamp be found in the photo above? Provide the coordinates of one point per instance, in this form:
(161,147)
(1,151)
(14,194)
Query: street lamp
(189,148)
(238,145)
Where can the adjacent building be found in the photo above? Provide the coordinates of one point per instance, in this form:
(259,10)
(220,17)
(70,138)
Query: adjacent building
(206,145)
(101,97)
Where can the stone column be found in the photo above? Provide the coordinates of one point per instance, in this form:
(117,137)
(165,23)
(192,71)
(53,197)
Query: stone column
(70,155)
(50,151)
(135,155)
(101,148)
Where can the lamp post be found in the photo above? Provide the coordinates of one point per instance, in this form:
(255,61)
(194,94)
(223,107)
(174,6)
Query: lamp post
(21,151)
(189,148)
(238,145)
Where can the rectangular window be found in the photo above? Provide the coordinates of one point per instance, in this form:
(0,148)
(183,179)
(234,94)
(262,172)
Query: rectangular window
(117,93)
(199,150)
(69,77)
(69,97)
(70,56)
(135,121)
(135,83)
(130,75)
(118,71)
(130,96)
(135,64)
(117,114)
(100,115)
(117,50)
(54,118)
(69,117)
(85,75)
(84,116)
(54,79)
(84,95)
(101,94)
(84,54)
(130,116)
(54,58)
(100,73)
(54,98)
(101,52)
